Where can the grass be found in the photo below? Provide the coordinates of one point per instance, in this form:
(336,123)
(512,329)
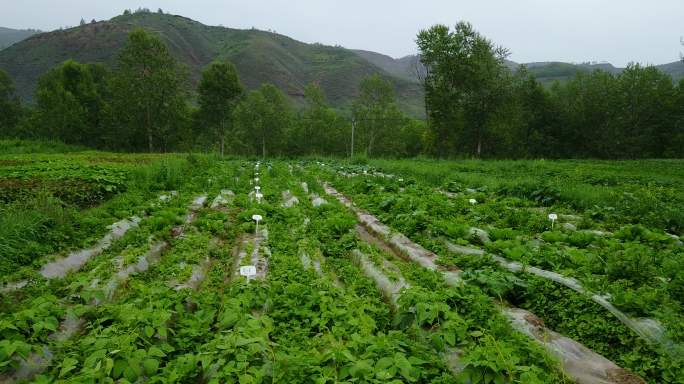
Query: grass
(291,325)
(618,245)
(644,191)
(18,147)
(44,219)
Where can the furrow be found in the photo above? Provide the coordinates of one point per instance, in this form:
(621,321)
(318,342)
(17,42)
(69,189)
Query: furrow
(579,362)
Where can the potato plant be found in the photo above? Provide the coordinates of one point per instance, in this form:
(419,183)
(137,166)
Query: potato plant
(165,302)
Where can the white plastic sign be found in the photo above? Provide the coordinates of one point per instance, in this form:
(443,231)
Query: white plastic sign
(248,271)
(257,218)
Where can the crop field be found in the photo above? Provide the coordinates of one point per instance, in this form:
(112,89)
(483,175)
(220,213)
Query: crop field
(138,268)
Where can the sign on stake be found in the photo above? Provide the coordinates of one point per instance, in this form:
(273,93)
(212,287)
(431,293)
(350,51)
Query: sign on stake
(257,218)
(248,271)
(553,217)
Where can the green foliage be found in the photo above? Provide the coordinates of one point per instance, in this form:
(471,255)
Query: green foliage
(71,103)
(260,57)
(148,95)
(319,129)
(83,184)
(264,117)
(476,107)
(325,321)
(43,197)
(636,266)
(624,116)
(378,119)
(10,108)
(462,88)
(219,91)
(18,146)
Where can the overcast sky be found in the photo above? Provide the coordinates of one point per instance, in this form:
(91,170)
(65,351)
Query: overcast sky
(618,31)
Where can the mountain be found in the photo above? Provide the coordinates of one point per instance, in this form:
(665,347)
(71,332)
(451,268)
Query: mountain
(675,69)
(259,56)
(404,67)
(9,36)
(546,72)
(549,72)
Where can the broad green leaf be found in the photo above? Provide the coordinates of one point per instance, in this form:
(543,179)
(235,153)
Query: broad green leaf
(150,366)
(155,352)
(149,331)
(68,364)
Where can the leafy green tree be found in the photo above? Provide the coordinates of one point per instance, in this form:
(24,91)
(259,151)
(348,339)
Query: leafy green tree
(377,116)
(631,115)
(646,108)
(529,119)
(675,145)
(263,118)
(148,94)
(10,107)
(412,135)
(587,106)
(219,91)
(70,103)
(320,130)
(463,86)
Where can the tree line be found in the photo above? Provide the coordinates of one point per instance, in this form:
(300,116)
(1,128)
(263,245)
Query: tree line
(475,107)
(144,104)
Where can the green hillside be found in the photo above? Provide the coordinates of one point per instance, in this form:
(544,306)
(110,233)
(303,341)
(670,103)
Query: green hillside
(260,56)
(675,69)
(9,36)
(404,67)
(546,72)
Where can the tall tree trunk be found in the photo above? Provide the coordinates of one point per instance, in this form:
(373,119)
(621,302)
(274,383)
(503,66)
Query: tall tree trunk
(480,126)
(479,141)
(263,147)
(149,130)
(371,138)
(223,138)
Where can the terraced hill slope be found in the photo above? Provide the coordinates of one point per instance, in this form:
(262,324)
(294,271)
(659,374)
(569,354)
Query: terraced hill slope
(260,56)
